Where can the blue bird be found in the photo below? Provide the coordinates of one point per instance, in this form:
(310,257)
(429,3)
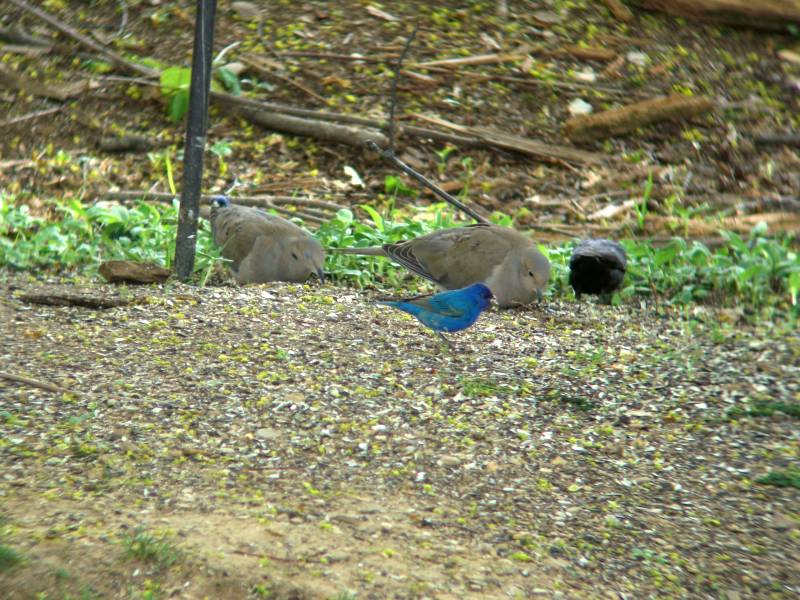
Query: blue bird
(447,311)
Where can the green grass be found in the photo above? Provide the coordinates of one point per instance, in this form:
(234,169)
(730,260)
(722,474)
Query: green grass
(159,550)
(766,409)
(787,478)
(9,557)
(755,271)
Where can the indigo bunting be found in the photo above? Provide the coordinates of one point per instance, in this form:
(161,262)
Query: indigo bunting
(597,266)
(447,311)
(263,247)
(509,263)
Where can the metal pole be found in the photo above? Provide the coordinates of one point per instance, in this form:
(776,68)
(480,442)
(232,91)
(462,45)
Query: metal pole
(194,146)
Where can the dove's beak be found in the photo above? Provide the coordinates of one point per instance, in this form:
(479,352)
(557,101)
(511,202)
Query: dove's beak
(321,274)
(539,295)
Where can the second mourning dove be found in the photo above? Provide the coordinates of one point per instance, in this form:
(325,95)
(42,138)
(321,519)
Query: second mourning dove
(447,311)
(597,266)
(264,247)
(502,258)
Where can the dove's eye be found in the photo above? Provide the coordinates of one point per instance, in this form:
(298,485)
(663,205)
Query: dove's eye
(294,256)
(530,273)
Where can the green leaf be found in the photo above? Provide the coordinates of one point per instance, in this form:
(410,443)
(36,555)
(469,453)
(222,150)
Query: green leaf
(178,105)
(174,80)
(376,218)
(229,80)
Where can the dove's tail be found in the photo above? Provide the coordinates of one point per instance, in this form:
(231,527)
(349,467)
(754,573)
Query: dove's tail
(369,251)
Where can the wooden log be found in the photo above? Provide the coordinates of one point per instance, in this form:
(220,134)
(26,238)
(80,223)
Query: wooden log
(584,128)
(321,130)
(764,14)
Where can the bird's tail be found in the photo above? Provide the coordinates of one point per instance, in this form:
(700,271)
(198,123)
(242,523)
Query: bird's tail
(369,251)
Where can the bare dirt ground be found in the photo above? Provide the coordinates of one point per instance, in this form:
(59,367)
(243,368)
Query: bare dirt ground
(305,443)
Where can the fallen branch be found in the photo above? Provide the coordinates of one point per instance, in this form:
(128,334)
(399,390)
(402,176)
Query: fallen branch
(42,385)
(531,82)
(30,116)
(499,139)
(345,57)
(584,128)
(72,299)
(481,59)
(766,14)
(116,59)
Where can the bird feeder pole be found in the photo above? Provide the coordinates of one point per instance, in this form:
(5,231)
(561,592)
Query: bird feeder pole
(194,146)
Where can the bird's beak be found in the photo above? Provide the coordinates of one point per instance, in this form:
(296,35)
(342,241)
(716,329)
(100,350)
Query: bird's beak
(539,295)
(321,274)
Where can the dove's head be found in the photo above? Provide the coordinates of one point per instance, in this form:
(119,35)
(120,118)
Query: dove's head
(534,270)
(521,278)
(305,256)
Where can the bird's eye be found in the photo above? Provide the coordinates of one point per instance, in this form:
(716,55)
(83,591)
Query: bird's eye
(294,256)
(530,273)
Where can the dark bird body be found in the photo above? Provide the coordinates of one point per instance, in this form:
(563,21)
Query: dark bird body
(447,311)
(264,247)
(505,260)
(597,266)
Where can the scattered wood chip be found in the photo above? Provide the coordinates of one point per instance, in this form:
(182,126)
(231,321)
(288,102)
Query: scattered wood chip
(619,10)
(789,56)
(587,52)
(611,211)
(584,128)
(380,14)
(128,271)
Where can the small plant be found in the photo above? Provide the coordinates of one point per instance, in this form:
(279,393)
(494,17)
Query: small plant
(642,208)
(159,550)
(175,89)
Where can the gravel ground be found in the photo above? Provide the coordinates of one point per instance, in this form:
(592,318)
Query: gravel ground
(305,442)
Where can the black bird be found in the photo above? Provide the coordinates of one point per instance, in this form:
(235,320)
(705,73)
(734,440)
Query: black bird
(597,267)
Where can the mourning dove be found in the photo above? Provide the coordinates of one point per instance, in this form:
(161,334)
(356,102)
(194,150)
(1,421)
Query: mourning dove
(263,247)
(597,266)
(502,258)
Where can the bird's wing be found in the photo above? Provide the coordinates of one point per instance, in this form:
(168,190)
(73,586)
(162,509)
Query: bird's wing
(447,304)
(473,254)
(453,257)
